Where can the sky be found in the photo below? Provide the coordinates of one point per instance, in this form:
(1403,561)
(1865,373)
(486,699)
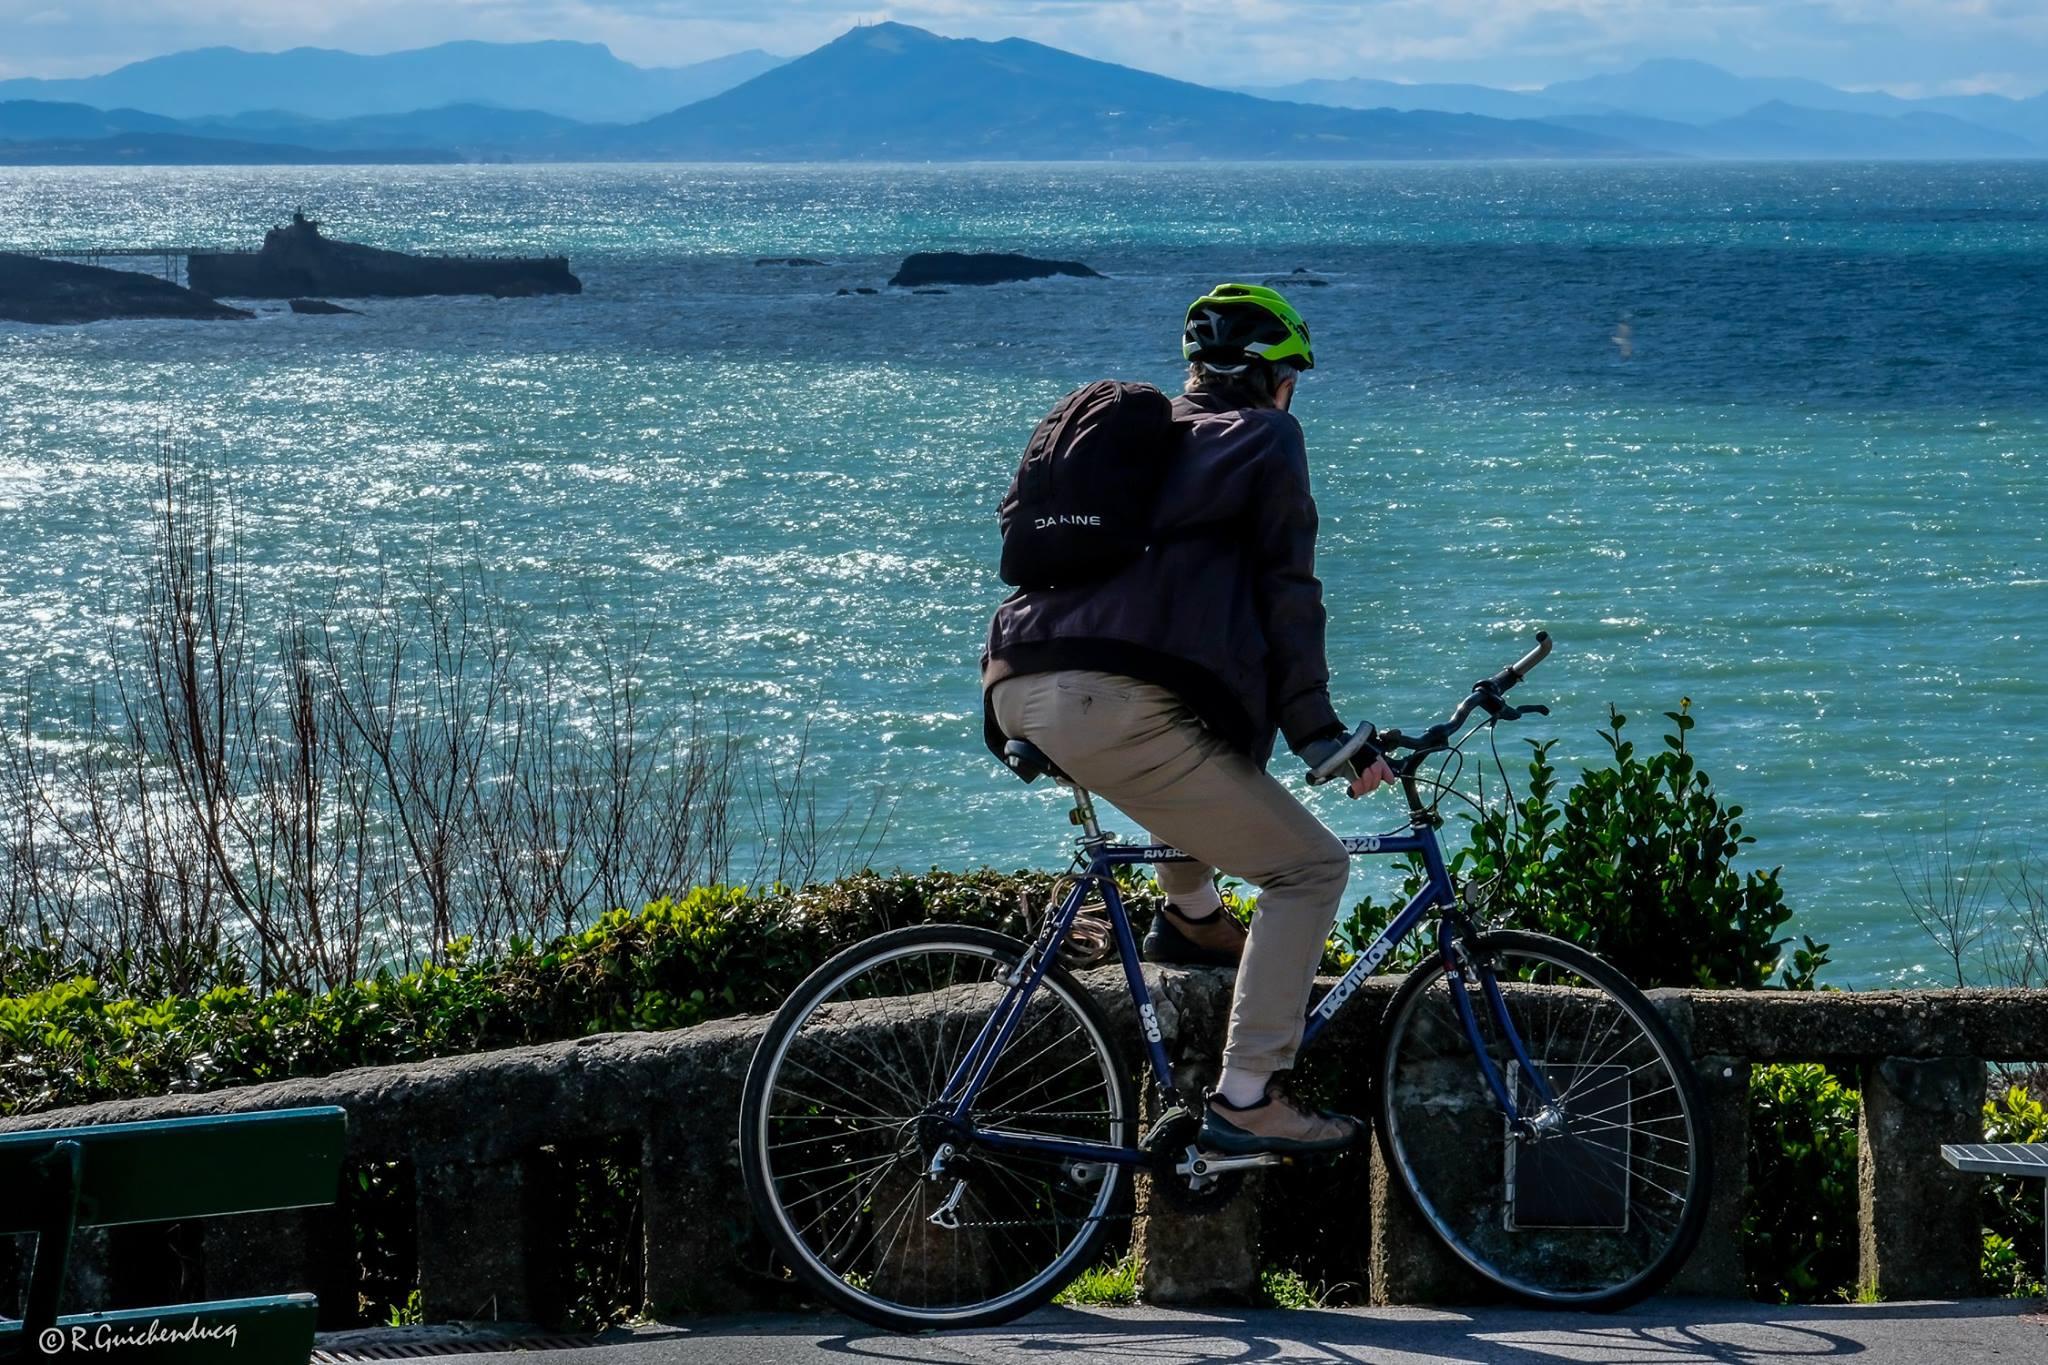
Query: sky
(1910,47)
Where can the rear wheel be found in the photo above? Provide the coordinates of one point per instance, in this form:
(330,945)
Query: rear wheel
(840,1127)
(1600,1196)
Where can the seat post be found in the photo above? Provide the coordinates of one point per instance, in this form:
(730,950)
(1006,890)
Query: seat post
(1084,815)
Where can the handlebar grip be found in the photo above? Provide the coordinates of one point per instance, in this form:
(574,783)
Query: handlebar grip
(1361,739)
(1519,669)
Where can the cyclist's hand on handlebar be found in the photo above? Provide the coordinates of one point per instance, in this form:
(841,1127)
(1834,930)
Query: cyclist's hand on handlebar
(1368,779)
(1354,757)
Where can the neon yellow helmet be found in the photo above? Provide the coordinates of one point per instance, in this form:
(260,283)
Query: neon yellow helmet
(1233,324)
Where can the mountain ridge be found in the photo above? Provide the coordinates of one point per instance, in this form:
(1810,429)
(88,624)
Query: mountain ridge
(894,92)
(924,97)
(584,81)
(1685,91)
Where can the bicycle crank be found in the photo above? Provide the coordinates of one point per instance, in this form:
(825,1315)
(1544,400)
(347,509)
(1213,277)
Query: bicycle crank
(1172,1143)
(1200,1165)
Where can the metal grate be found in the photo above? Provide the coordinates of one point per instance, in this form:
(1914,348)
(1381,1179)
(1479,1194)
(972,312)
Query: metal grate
(461,1346)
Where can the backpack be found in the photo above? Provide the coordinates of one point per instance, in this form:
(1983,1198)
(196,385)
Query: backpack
(1080,507)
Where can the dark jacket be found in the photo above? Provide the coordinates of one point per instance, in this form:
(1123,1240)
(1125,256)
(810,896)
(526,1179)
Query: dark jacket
(1224,610)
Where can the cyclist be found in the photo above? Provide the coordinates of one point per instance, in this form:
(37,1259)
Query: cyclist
(1161,688)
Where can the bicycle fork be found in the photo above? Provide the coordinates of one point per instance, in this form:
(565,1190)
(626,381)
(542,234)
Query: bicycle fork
(1548,1119)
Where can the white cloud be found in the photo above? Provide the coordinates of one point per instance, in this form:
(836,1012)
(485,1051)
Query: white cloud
(1983,83)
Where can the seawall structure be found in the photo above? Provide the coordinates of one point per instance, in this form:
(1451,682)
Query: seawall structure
(297,261)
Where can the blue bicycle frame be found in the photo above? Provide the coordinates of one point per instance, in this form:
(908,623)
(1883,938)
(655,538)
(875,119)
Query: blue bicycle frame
(1103,856)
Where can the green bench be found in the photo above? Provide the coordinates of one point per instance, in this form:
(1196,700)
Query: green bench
(54,1182)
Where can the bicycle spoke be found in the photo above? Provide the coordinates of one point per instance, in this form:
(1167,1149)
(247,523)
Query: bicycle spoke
(1011,1106)
(888,1035)
(843,1089)
(1601,1211)
(833,1166)
(841,1136)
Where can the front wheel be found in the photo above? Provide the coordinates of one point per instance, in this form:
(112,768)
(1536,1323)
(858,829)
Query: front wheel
(852,1167)
(1597,1197)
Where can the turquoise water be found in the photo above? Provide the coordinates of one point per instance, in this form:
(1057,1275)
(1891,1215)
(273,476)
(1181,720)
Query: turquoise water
(1811,499)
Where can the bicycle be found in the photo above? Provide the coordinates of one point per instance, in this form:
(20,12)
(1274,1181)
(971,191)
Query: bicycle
(939,1128)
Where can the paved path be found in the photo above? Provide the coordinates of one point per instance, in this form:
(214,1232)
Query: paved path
(1666,1332)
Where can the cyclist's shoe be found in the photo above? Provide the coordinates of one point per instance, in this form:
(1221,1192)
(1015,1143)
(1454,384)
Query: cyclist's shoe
(1276,1124)
(1215,940)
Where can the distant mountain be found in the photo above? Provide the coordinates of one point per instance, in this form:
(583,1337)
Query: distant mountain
(890,92)
(33,120)
(180,149)
(1697,92)
(574,80)
(1656,136)
(1674,95)
(451,133)
(1783,131)
(474,130)
(2024,118)
(1363,93)
(1779,129)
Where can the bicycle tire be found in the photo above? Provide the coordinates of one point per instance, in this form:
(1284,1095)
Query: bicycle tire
(862,1293)
(1433,1159)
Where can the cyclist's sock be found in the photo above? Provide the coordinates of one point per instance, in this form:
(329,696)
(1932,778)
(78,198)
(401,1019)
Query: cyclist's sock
(1198,904)
(1242,1089)
(1202,916)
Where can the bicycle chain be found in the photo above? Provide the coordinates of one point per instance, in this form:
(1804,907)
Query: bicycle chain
(1036,1223)
(1032,1223)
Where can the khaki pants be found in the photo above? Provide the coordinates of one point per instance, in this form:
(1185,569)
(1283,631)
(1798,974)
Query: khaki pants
(1141,748)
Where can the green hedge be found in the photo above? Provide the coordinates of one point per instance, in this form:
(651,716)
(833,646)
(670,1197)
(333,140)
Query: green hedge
(1799,1210)
(2013,1228)
(1637,859)
(716,951)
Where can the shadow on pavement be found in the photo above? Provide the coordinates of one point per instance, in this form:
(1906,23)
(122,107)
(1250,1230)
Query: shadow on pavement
(1668,1332)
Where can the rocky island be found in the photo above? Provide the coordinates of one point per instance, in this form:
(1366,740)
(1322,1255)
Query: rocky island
(33,289)
(298,262)
(981,267)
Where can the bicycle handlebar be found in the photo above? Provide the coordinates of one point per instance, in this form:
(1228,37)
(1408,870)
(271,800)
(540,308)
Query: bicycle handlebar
(1519,669)
(1486,695)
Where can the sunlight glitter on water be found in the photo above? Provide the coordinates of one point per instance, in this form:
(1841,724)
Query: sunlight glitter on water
(1810,500)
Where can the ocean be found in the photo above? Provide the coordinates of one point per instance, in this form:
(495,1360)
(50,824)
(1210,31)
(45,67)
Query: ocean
(1769,437)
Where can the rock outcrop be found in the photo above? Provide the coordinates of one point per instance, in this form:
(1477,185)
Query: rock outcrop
(36,290)
(297,262)
(981,267)
(321,308)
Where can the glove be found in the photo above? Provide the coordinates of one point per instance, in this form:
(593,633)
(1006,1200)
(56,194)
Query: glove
(1317,752)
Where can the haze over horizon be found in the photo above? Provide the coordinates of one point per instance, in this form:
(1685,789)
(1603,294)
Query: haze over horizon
(1911,48)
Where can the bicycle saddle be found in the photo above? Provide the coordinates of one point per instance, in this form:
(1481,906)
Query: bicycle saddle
(1029,762)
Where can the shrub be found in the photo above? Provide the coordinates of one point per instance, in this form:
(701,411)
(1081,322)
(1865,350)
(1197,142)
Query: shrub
(1637,862)
(2012,1206)
(1799,1211)
(716,951)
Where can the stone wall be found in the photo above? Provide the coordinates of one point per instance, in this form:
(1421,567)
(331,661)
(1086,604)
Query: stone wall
(483,1137)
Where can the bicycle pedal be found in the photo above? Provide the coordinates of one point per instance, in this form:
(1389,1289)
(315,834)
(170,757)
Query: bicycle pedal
(1200,1163)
